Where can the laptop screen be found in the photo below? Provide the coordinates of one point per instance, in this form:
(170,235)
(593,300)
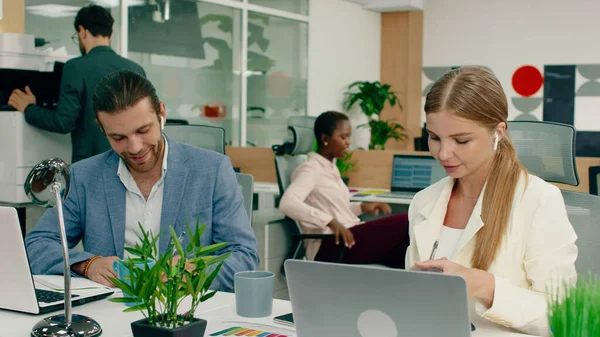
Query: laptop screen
(414,173)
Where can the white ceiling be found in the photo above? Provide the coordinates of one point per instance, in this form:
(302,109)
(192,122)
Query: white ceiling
(391,5)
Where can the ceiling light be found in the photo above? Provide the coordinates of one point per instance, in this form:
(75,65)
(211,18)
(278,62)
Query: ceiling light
(53,10)
(115,3)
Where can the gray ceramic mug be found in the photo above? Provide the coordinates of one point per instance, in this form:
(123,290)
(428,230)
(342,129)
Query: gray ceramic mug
(254,293)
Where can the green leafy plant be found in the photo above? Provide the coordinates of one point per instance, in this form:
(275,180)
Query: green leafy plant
(577,312)
(372,98)
(381,131)
(159,301)
(345,165)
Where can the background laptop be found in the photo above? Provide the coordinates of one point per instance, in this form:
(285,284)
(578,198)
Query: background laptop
(337,300)
(412,173)
(19,292)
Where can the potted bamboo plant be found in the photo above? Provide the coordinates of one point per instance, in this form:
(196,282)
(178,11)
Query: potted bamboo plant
(372,97)
(156,284)
(577,312)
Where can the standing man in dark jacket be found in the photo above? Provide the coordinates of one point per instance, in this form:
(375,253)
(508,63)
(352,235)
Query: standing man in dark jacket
(74,113)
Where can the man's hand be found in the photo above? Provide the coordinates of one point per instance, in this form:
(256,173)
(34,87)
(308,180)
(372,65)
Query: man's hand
(188,266)
(339,230)
(99,271)
(375,208)
(20,100)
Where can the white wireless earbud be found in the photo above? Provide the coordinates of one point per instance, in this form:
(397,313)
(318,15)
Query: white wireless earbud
(495,141)
(162,123)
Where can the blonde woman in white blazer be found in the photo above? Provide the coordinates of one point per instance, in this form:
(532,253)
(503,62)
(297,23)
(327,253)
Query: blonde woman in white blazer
(503,230)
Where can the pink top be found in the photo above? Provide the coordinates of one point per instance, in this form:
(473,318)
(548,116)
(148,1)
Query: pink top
(315,196)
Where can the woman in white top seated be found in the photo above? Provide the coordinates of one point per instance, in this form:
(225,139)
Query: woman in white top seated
(320,201)
(506,232)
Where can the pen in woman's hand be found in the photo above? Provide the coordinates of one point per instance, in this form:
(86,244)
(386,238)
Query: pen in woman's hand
(435,245)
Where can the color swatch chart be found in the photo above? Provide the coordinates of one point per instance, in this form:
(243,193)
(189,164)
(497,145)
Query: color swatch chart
(240,331)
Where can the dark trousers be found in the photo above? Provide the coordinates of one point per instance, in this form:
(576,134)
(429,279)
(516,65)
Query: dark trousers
(381,241)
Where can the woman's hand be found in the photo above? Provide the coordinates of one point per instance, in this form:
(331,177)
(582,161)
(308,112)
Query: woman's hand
(480,283)
(375,208)
(340,231)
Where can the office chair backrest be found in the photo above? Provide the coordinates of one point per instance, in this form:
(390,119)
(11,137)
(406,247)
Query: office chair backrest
(203,136)
(284,167)
(302,128)
(246,185)
(304,140)
(546,149)
(175,121)
(302,121)
(584,213)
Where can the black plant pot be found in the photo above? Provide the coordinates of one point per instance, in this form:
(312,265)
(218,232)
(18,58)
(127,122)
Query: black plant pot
(195,328)
(345,180)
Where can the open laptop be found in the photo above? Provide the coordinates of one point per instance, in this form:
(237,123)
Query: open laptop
(412,173)
(19,292)
(337,300)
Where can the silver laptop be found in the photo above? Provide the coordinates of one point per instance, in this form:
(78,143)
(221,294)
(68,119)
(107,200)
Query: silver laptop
(412,173)
(337,300)
(19,292)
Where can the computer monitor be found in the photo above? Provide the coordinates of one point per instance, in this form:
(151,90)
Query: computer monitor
(412,173)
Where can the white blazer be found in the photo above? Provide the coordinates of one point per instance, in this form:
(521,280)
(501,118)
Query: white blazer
(538,249)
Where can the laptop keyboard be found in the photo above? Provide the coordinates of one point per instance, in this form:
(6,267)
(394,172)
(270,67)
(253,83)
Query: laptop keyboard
(47,296)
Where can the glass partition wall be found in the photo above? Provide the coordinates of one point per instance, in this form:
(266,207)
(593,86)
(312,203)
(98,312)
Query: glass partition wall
(238,64)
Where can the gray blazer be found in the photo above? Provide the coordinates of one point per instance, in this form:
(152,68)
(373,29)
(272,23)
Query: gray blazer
(198,183)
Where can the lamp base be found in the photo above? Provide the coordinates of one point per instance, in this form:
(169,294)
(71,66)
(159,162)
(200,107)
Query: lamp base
(55,326)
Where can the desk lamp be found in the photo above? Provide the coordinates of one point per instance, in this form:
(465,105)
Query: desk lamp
(47,185)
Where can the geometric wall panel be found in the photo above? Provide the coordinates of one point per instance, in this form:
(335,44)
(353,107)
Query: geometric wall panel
(559,93)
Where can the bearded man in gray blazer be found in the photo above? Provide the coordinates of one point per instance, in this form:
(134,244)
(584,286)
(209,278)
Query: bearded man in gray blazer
(148,178)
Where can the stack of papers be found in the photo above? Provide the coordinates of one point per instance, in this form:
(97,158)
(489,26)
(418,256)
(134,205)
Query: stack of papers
(57,283)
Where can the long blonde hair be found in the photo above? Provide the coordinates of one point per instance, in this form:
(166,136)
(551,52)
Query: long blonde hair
(475,94)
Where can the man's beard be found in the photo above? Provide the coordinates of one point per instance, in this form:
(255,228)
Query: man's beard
(155,152)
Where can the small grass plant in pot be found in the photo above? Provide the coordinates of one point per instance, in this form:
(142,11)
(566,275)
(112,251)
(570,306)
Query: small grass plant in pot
(372,98)
(577,312)
(161,301)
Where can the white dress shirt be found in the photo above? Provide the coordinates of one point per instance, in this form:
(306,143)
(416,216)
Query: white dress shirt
(448,242)
(137,209)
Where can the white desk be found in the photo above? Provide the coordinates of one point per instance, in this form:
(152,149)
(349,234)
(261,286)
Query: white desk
(268,191)
(377,198)
(218,311)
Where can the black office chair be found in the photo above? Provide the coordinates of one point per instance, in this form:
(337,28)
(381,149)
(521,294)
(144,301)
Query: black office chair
(288,157)
(284,167)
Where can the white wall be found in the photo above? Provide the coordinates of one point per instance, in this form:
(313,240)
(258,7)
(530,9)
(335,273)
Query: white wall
(344,47)
(506,34)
